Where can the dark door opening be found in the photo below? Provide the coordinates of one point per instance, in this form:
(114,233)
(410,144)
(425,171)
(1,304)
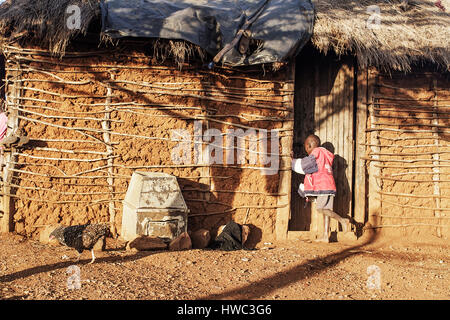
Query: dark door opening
(324,105)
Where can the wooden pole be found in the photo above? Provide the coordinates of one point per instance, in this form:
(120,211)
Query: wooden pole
(436,177)
(9,157)
(374,185)
(360,149)
(285,176)
(106,126)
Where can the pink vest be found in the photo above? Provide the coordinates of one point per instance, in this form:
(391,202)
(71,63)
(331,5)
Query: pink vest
(322,181)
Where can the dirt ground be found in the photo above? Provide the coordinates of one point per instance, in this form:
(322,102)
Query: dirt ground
(288,270)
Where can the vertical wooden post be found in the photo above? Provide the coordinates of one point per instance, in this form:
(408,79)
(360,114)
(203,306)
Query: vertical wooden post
(319,116)
(374,201)
(360,149)
(207,171)
(13,94)
(285,176)
(106,125)
(437,190)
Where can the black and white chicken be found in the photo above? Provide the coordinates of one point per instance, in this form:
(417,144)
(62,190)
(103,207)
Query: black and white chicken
(80,237)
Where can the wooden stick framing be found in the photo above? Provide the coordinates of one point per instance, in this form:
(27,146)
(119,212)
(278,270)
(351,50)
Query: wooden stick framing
(409,180)
(285,177)
(401,160)
(415,207)
(110,151)
(62,192)
(64,159)
(13,95)
(23,60)
(360,185)
(409,217)
(409,195)
(407,225)
(32,109)
(374,185)
(436,156)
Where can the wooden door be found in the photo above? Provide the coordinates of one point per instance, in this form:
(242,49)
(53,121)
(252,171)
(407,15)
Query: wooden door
(324,106)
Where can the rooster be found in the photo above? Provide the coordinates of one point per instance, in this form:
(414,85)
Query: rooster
(80,237)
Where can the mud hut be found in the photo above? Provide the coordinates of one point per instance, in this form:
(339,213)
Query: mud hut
(144,86)
(374,85)
(104,98)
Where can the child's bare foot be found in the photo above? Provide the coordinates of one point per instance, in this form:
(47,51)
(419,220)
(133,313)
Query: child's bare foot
(324,240)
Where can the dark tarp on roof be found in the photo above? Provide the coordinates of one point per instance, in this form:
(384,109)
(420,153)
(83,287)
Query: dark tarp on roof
(284,26)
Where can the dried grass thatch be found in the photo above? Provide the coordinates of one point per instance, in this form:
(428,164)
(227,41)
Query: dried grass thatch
(177,49)
(409,31)
(45,21)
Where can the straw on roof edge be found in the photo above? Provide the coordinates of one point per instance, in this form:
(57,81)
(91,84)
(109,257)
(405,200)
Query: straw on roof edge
(391,34)
(406,34)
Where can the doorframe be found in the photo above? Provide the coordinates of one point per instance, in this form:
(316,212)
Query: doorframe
(362,82)
(285,168)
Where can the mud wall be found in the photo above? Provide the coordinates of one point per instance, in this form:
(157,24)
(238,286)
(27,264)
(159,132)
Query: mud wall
(96,116)
(410,118)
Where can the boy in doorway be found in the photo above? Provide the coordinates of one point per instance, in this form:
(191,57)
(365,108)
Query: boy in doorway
(319,182)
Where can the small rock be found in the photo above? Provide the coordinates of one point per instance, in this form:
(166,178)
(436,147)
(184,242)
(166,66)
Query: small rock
(64,257)
(245,233)
(200,239)
(143,243)
(183,242)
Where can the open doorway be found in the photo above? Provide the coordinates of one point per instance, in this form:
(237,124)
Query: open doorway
(324,105)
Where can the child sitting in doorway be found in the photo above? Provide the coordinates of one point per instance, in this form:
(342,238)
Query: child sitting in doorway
(319,182)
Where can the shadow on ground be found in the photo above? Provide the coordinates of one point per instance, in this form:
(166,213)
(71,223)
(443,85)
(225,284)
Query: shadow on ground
(313,267)
(63,265)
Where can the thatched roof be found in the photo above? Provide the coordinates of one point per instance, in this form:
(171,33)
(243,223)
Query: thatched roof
(45,21)
(412,33)
(409,31)
(284,26)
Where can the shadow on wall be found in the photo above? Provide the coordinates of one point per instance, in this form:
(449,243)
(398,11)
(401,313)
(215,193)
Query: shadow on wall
(343,192)
(199,198)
